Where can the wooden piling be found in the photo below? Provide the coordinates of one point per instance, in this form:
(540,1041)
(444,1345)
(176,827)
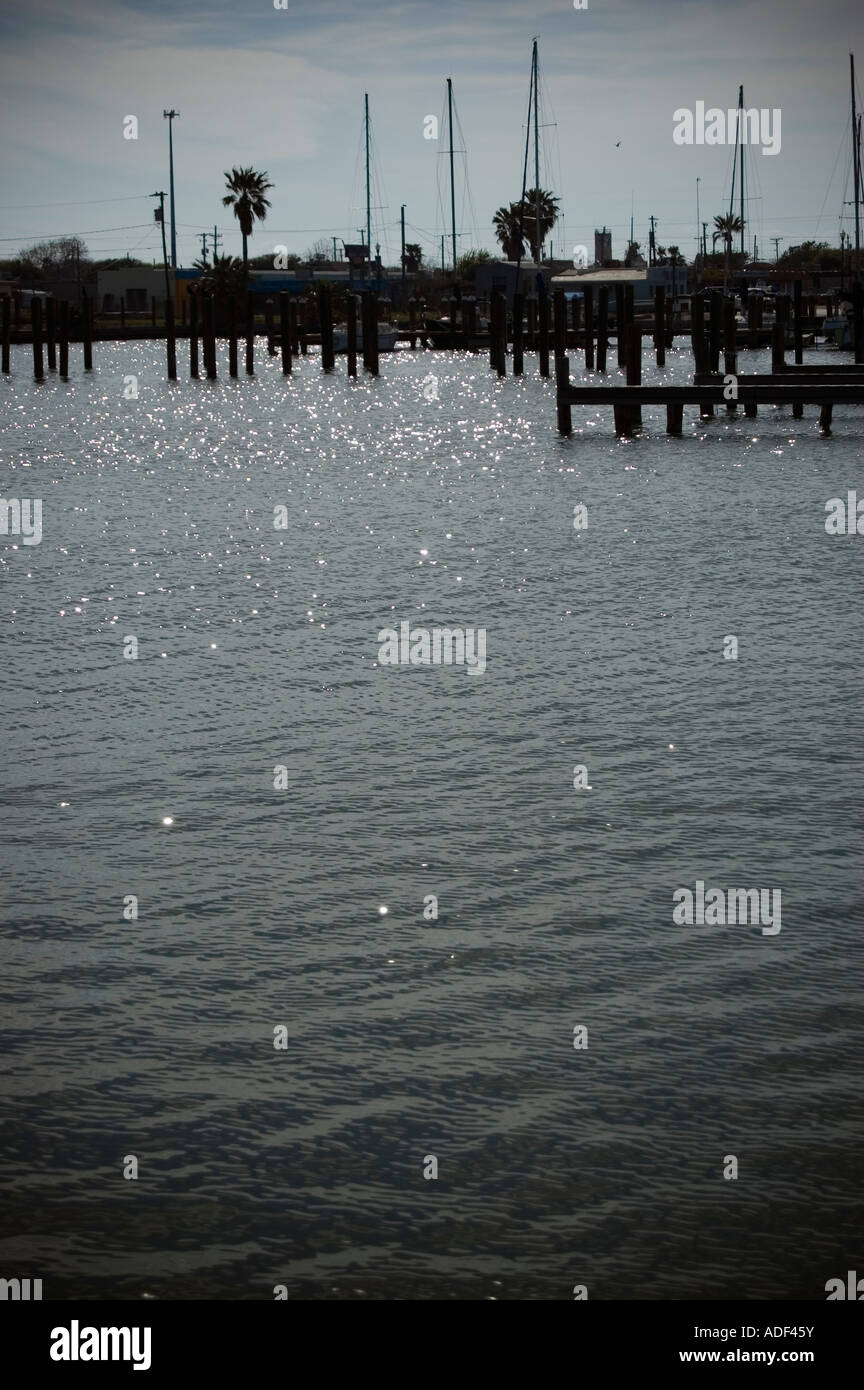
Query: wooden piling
(325,313)
(730,355)
(498,324)
(123,311)
(351,323)
(293,330)
(576,311)
(64,340)
(620,322)
(588,293)
(152,311)
(750,409)
(715,329)
(170,340)
(210,337)
(285,332)
(543,324)
(51,332)
(531,308)
(193,335)
(232,336)
(778,342)
(858,320)
(268,321)
(250,333)
(701,346)
(602,327)
(518,334)
(6,332)
(559,323)
(633,343)
(36,335)
(452,307)
(825,418)
(660,326)
(87,332)
(370,331)
(797,325)
(674,417)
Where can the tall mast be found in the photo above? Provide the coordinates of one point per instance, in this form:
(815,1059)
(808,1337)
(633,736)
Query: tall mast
(452,184)
(536,157)
(741,155)
(368,211)
(856,166)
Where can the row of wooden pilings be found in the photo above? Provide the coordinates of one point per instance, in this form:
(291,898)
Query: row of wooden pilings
(51,330)
(49,335)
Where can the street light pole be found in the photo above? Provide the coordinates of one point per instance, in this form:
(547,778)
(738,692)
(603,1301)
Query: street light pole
(169,116)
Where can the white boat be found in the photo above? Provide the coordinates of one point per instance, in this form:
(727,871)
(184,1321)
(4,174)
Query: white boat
(387,336)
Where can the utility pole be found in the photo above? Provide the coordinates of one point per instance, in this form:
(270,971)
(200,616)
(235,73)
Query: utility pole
(776,240)
(204,247)
(442,252)
(217,237)
(452,184)
(704,240)
(169,116)
(403,241)
(335,257)
(159,216)
(652,245)
(697,213)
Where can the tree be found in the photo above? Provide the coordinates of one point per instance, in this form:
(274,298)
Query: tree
(517,225)
(812,253)
(58,259)
(268,262)
(246,196)
(226,275)
(728,225)
(321,250)
(548,217)
(413,258)
(509,231)
(468,263)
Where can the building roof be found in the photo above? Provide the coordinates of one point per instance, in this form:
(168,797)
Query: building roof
(610,275)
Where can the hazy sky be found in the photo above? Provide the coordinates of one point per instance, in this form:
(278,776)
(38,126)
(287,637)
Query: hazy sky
(283,90)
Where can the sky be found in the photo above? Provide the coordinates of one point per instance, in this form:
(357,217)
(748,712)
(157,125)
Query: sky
(282,90)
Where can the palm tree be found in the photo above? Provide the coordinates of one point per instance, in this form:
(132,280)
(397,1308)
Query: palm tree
(727,225)
(226,276)
(413,258)
(548,204)
(509,231)
(246,195)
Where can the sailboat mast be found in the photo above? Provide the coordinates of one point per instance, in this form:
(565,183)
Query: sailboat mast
(452,183)
(368,208)
(856,166)
(536,157)
(741,157)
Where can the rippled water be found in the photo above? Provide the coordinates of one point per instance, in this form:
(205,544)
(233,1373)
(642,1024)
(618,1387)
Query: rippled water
(409,1037)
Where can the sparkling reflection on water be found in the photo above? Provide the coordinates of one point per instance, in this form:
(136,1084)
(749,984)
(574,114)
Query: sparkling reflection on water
(259,909)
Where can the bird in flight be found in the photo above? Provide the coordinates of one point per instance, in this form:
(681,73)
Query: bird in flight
(617,143)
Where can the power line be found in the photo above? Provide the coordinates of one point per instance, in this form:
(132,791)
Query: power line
(83,203)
